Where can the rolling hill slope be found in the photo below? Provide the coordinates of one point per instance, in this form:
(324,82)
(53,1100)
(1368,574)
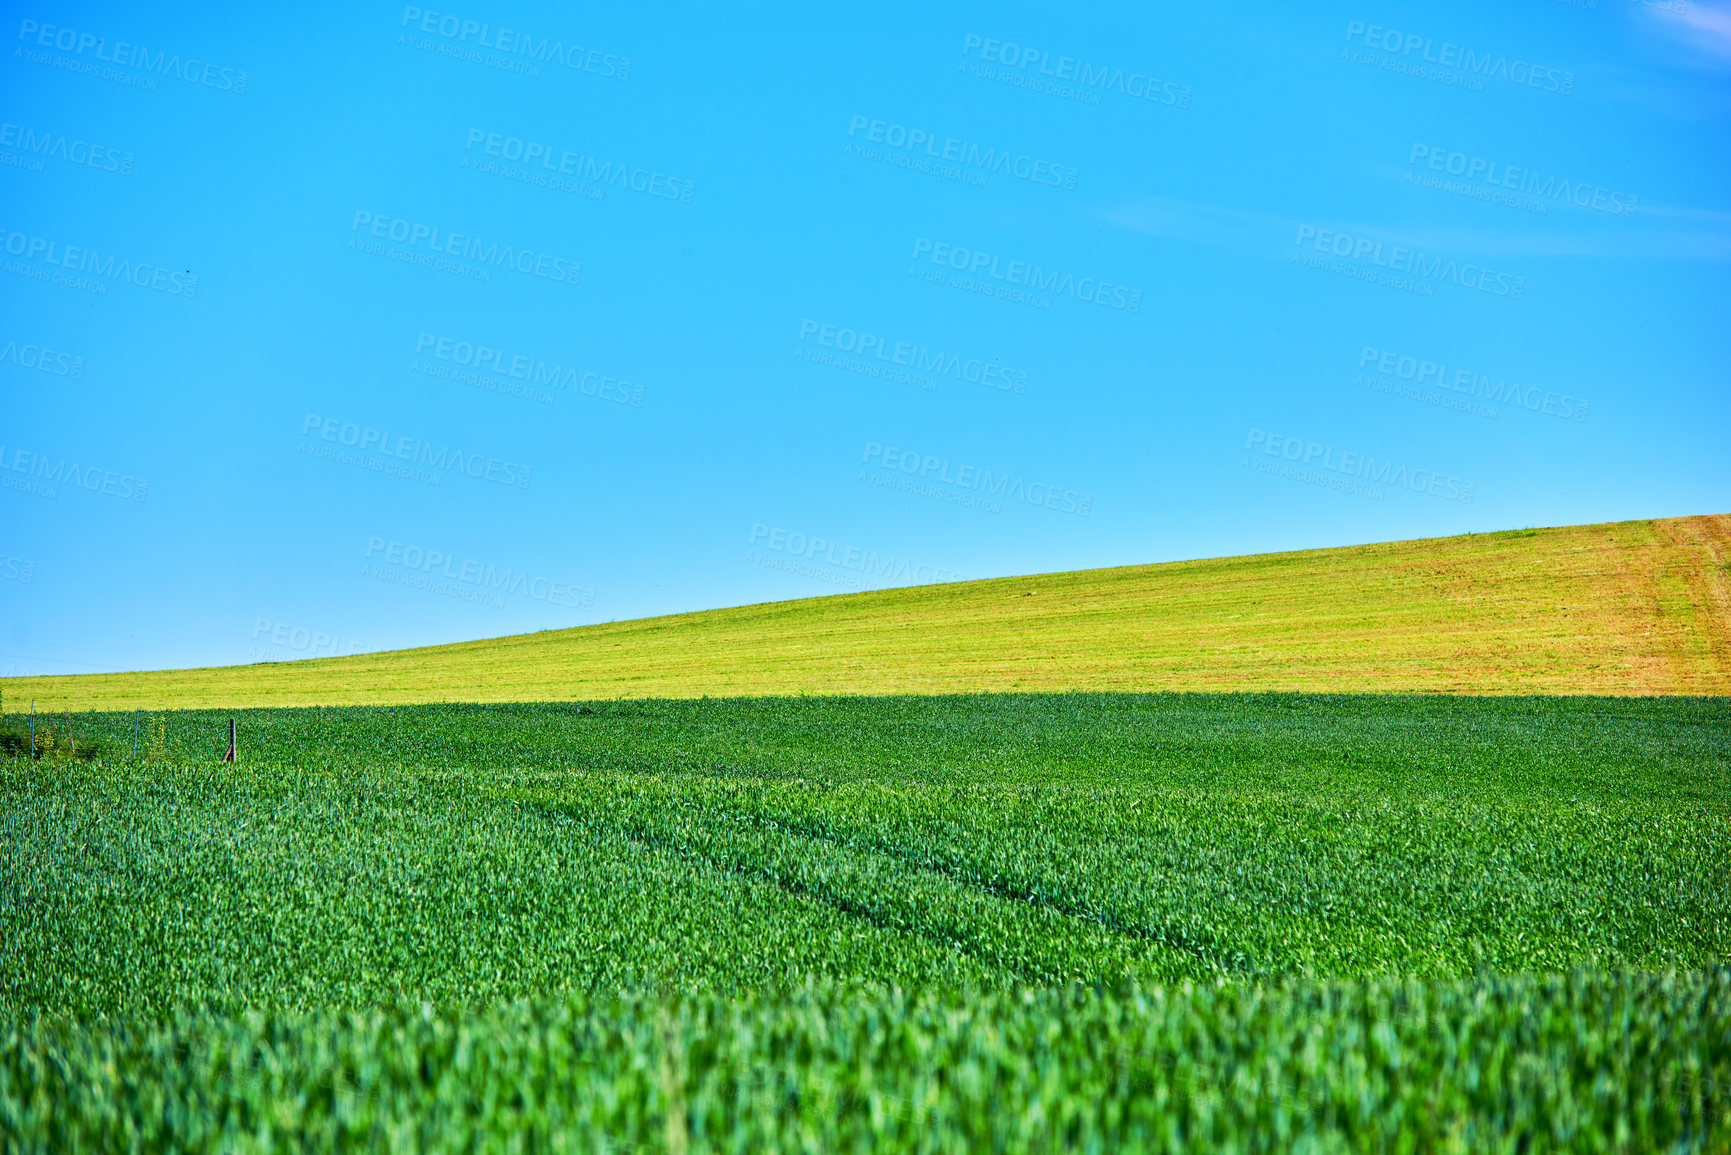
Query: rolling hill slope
(1638,607)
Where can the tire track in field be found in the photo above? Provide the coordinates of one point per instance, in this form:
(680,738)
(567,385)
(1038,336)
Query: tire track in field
(1202,948)
(955,934)
(836,900)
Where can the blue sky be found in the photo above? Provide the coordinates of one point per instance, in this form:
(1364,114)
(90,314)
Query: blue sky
(366,326)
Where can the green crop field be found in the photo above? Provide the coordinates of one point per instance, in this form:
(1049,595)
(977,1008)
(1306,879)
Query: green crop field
(1094,922)
(1637,607)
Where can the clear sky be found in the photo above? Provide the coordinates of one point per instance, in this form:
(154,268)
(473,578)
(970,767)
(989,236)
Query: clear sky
(328,328)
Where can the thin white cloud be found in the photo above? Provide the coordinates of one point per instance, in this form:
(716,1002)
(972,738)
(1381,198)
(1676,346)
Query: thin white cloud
(1707,26)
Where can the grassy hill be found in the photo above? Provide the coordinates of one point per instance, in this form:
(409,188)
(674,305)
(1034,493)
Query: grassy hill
(1636,607)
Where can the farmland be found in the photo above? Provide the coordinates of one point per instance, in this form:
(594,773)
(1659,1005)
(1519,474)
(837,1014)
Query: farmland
(1638,607)
(1024,920)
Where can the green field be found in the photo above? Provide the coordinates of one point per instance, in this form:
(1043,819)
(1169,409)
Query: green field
(1635,607)
(1001,922)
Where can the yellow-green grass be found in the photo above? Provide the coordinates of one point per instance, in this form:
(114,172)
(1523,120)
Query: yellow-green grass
(1634,607)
